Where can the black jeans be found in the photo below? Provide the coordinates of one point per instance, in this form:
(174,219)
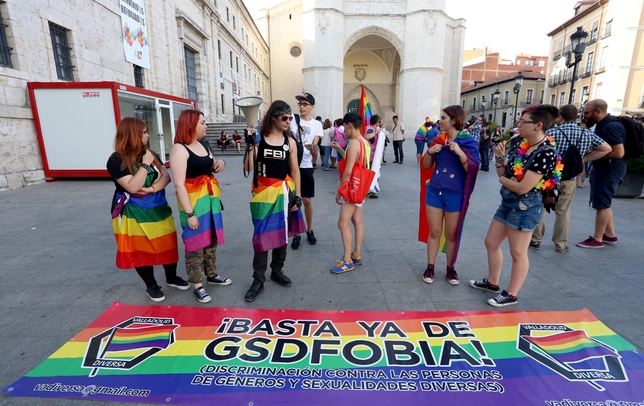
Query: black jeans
(147,274)
(485,159)
(260,261)
(398,150)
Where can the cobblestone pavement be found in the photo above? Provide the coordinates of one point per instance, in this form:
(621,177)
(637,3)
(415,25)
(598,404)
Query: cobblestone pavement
(57,271)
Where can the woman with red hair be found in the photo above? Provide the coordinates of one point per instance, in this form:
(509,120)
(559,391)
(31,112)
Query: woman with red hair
(141,218)
(199,201)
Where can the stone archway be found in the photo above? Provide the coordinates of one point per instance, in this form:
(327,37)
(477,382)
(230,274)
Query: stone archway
(372,60)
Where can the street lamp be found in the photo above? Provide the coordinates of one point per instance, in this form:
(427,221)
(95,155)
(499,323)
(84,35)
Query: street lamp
(495,99)
(577,47)
(518,81)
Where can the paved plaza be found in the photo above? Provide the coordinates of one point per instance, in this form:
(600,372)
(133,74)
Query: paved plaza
(57,271)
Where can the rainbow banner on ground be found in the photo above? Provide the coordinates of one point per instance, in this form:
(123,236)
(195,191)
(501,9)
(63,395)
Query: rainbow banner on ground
(364,111)
(205,199)
(205,356)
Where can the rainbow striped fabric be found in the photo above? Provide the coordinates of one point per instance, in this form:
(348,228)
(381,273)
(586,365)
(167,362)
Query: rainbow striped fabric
(364,110)
(205,200)
(571,346)
(127,339)
(273,223)
(144,230)
(290,357)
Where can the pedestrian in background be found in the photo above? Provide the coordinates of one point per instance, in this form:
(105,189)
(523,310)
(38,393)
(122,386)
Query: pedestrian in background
(421,138)
(398,131)
(325,142)
(484,147)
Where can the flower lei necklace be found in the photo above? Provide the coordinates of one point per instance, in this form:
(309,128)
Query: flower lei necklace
(517,166)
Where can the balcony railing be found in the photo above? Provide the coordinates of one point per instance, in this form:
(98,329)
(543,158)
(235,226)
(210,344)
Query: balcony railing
(554,80)
(593,37)
(557,54)
(600,69)
(607,31)
(587,73)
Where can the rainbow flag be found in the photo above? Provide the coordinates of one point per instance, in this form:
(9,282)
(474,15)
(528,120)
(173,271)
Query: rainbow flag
(273,223)
(570,347)
(126,339)
(233,356)
(144,230)
(364,110)
(205,200)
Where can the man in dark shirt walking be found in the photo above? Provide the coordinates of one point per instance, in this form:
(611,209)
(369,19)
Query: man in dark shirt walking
(484,147)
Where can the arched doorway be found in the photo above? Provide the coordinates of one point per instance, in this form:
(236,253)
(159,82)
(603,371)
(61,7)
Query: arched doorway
(372,61)
(353,106)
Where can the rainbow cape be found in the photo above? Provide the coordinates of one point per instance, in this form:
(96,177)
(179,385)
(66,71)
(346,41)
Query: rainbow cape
(144,230)
(229,356)
(364,110)
(271,215)
(470,148)
(205,200)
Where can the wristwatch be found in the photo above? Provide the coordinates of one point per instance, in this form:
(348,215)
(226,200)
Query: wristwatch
(188,215)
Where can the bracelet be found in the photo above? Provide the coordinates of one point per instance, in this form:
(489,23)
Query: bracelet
(463,163)
(155,189)
(145,166)
(497,166)
(500,160)
(188,215)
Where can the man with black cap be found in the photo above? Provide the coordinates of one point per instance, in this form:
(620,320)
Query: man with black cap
(309,131)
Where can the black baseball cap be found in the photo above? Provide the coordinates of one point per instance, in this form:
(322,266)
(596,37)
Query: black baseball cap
(306,96)
(352,118)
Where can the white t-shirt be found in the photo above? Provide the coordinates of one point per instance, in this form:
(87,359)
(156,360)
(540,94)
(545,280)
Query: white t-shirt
(326,138)
(311,129)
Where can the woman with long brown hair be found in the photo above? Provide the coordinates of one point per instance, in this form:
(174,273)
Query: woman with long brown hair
(141,218)
(199,201)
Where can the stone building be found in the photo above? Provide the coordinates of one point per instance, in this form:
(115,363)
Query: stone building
(406,53)
(479,98)
(483,65)
(612,63)
(205,50)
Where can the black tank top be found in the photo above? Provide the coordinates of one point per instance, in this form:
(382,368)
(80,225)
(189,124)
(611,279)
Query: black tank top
(273,162)
(198,165)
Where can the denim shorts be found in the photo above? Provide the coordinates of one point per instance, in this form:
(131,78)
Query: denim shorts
(520,212)
(449,202)
(604,183)
(420,146)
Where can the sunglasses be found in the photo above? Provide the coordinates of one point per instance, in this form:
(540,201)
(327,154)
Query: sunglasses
(286,118)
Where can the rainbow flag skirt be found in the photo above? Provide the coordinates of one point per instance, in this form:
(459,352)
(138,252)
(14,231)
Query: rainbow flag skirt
(205,200)
(144,230)
(272,220)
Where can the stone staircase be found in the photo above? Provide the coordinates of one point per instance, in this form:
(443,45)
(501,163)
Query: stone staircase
(214,131)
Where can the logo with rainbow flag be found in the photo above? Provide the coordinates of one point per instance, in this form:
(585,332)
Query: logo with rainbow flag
(128,344)
(572,354)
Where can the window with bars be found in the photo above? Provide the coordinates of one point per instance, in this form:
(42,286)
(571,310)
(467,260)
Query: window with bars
(223,107)
(231,59)
(62,52)
(138,76)
(5,50)
(219,49)
(191,74)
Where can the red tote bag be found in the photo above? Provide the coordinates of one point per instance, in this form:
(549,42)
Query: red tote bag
(355,189)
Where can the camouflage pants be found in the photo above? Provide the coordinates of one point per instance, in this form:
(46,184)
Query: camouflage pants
(203,261)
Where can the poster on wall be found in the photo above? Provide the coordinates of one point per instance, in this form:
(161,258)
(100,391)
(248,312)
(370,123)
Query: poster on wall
(135,33)
(221,74)
(236,85)
(215,356)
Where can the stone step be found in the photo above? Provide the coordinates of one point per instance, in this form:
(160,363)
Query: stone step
(214,132)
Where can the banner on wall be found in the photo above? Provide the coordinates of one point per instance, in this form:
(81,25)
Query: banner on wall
(134,33)
(203,356)
(237,88)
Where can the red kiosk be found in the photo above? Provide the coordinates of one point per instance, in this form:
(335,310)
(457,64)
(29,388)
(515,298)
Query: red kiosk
(76,122)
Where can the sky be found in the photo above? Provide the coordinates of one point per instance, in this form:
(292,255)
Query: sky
(509,27)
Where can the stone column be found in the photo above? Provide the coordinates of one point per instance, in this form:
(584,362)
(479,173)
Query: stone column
(323,39)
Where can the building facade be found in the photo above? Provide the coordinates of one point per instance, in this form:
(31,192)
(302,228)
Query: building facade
(483,65)
(205,50)
(612,64)
(478,99)
(406,53)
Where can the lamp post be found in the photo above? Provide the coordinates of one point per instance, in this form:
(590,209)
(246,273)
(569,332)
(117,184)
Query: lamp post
(518,82)
(495,99)
(577,47)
